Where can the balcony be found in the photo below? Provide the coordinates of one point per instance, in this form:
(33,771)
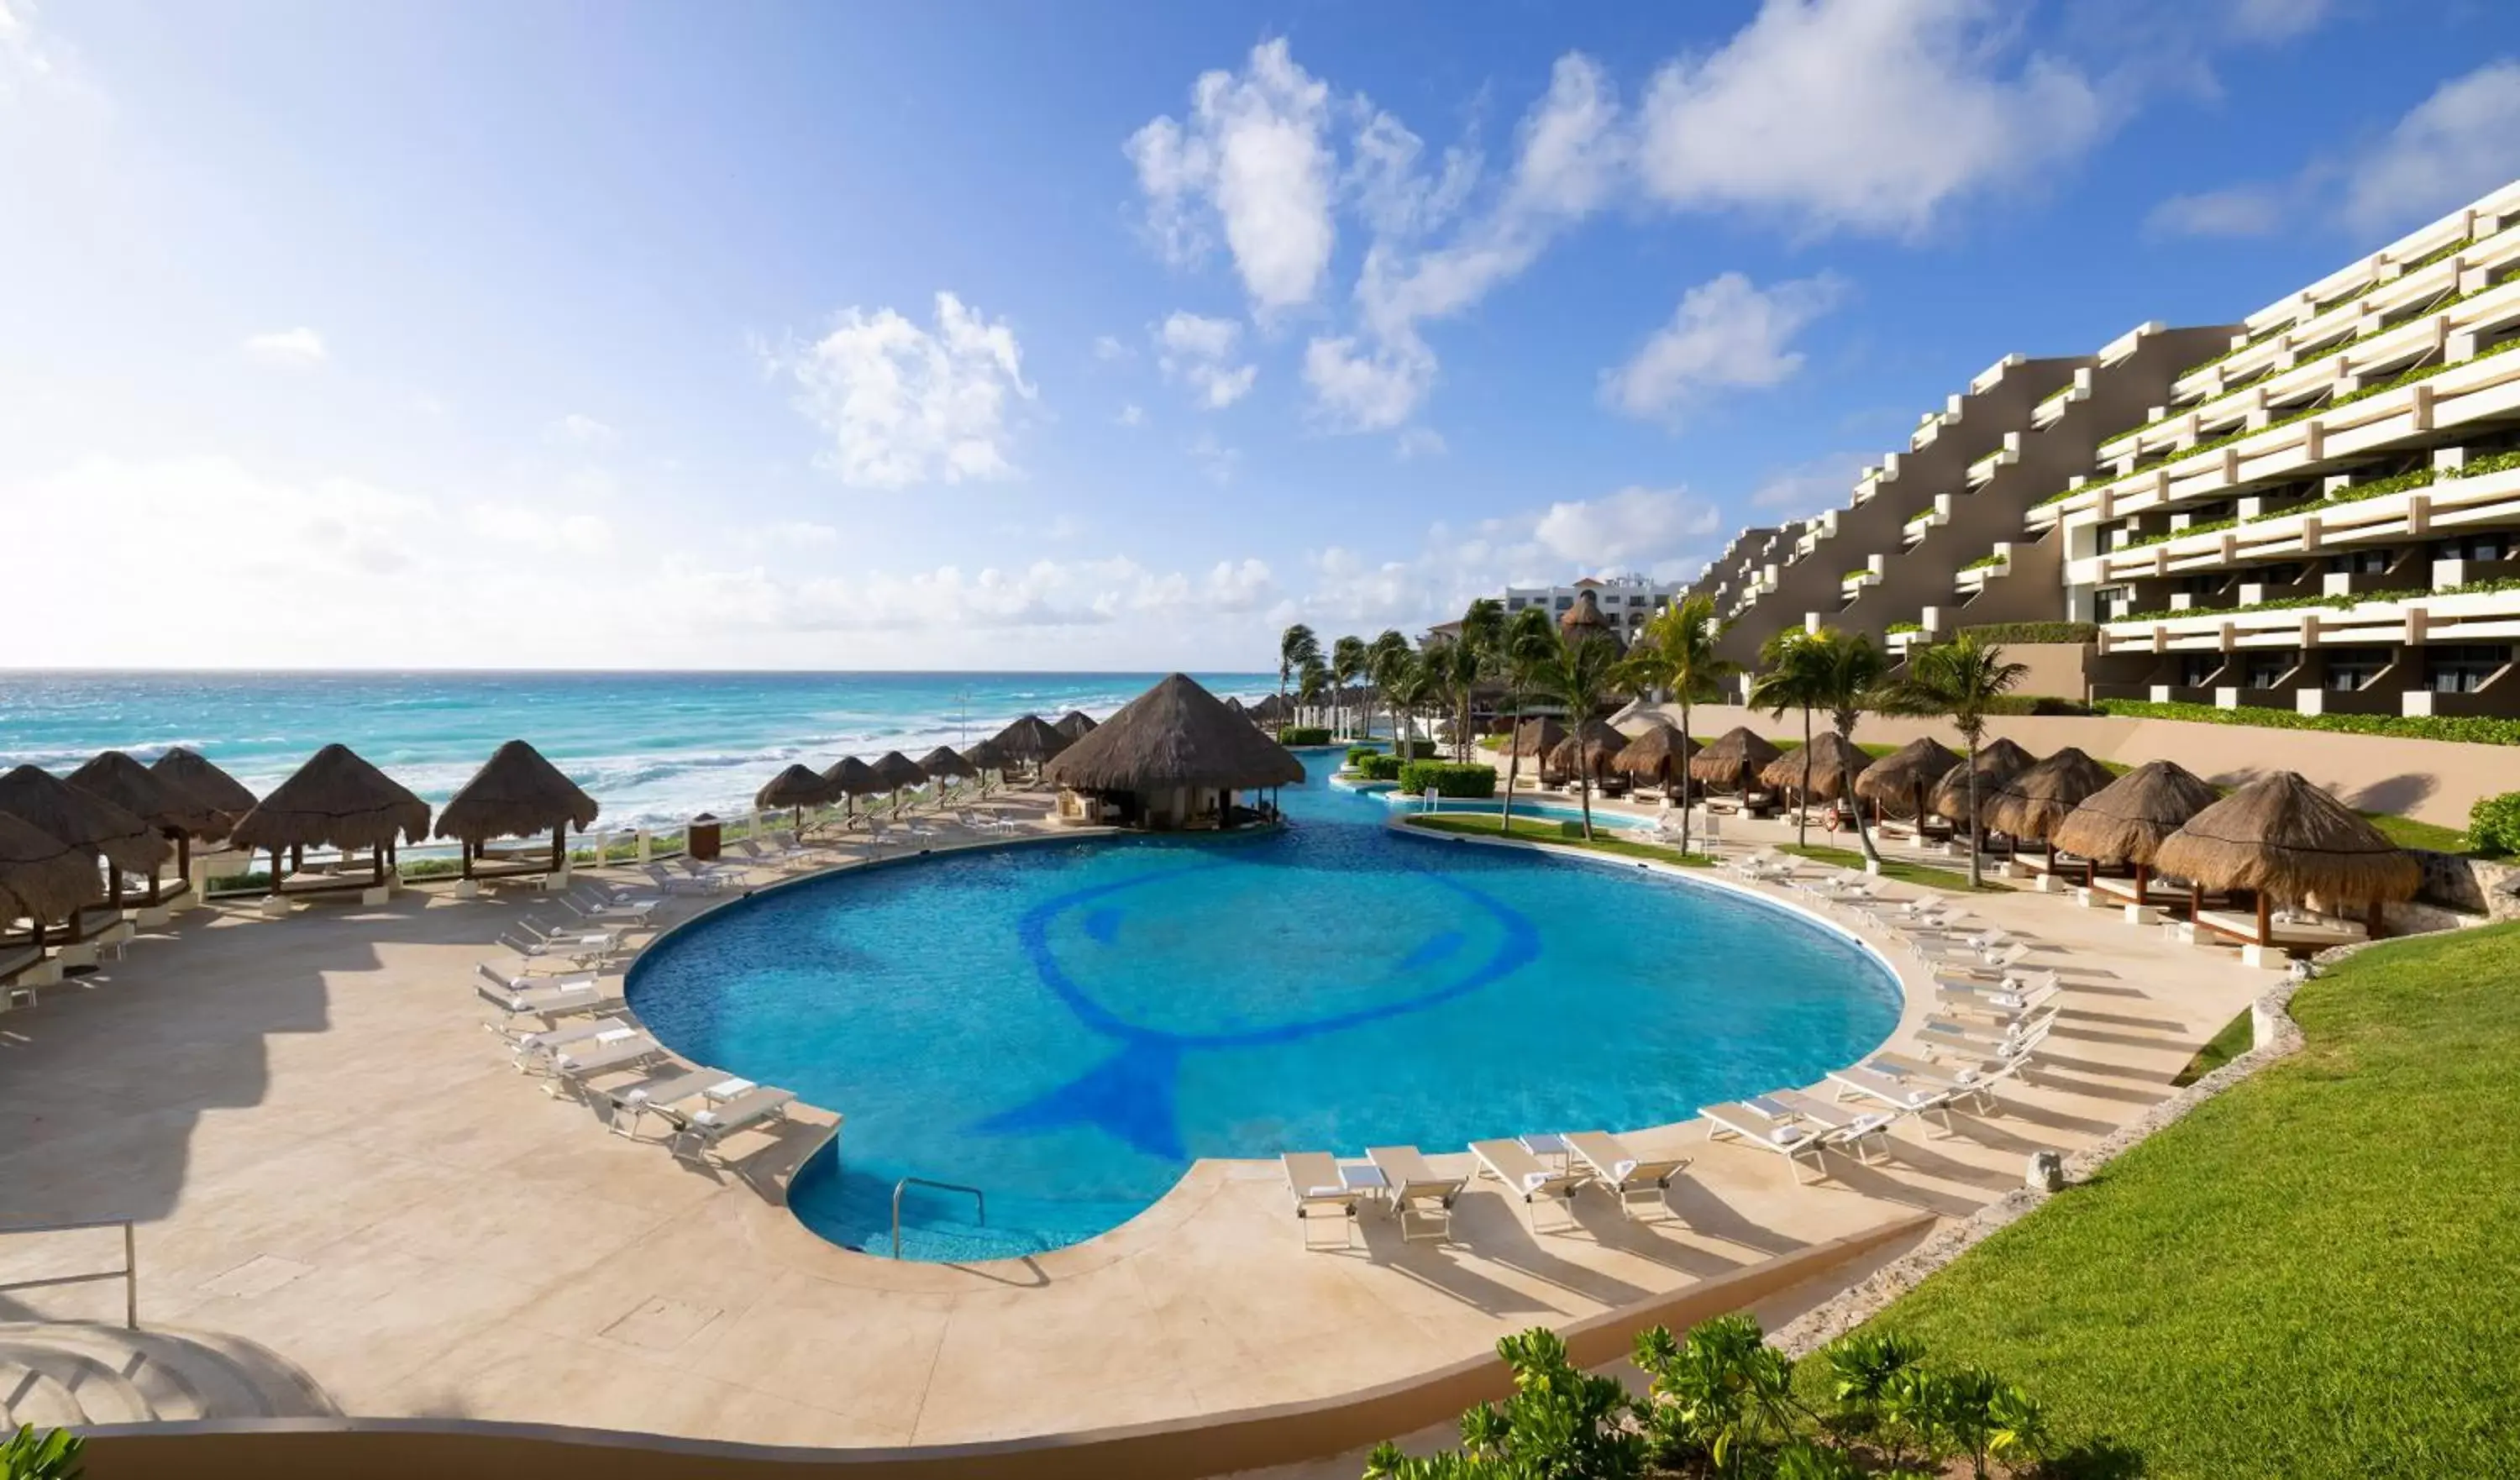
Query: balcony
(2413,619)
(2443,506)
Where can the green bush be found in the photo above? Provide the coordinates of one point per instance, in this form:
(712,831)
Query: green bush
(1413,750)
(1380,768)
(33,1454)
(1303,734)
(1448,778)
(2036,704)
(2472,731)
(2494,826)
(1896,627)
(1983,562)
(2034,632)
(1356,754)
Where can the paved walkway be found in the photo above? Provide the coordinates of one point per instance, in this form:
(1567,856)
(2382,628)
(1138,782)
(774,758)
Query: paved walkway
(331,1159)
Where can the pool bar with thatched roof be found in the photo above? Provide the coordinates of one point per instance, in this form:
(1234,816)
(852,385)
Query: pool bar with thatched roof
(1172,757)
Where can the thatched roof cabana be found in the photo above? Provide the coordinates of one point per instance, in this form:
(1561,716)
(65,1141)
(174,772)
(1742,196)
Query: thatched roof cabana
(175,812)
(41,876)
(1535,736)
(943,761)
(1998,762)
(851,777)
(895,771)
(337,800)
(2126,820)
(1658,756)
(1583,619)
(1820,771)
(2033,801)
(1735,759)
(983,755)
(797,786)
(1173,737)
(213,787)
(81,819)
(516,793)
(2282,837)
(1029,741)
(1898,784)
(1589,748)
(1075,724)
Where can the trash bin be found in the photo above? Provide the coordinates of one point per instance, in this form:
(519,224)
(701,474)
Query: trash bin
(705,837)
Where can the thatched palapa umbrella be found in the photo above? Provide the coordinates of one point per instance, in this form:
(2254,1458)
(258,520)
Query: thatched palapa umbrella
(516,793)
(1735,759)
(984,758)
(207,783)
(41,876)
(2032,802)
(1583,619)
(1535,737)
(1821,771)
(86,821)
(942,762)
(336,800)
(1075,724)
(1659,755)
(2284,838)
(1998,762)
(1589,749)
(1174,741)
(1897,784)
(797,786)
(176,814)
(2126,820)
(1029,742)
(895,772)
(849,779)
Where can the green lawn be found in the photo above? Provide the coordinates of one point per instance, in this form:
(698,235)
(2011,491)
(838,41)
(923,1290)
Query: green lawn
(1923,876)
(2406,832)
(1606,839)
(2318,1273)
(2237,1037)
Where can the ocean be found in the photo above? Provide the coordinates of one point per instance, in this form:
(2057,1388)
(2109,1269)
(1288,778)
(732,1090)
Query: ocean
(651,748)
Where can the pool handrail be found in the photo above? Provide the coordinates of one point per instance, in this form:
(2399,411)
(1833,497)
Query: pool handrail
(951,1186)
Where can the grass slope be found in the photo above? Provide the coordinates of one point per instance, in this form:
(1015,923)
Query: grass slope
(1604,839)
(2314,1274)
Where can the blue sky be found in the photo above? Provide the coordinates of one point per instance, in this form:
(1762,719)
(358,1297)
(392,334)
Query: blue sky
(1088,334)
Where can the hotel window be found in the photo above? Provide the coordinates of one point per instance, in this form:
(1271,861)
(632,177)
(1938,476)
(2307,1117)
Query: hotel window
(2115,602)
(2463,669)
(1513,603)
(2474,547)
(2198,669)
(2284,574)
(2352,668)
(2204,583)
(2359,562)
(1565,603)
(2264,670)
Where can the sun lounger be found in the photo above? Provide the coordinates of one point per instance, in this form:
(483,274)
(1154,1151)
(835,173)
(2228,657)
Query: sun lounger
(1320,1189)
(1840,1129)
(1636,1182)
(1762,1121)
(1420,1199)
(582,949)
(608,1052)
(1914,1096)
(1951,1035)
(1526,1177)
(532,1053)
(698,1132)
(515,996)
(2001,999)
(659,1091)
(604,914)
(677,884)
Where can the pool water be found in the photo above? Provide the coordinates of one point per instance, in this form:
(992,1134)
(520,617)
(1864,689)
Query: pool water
(1067,1026)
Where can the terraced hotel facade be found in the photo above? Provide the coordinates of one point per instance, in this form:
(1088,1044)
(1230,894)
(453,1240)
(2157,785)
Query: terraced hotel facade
(2315,507)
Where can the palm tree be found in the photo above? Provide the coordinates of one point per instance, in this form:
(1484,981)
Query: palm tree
(1312,681)
(1677,653)
(1296,646)
(1409,683)
(1582,673)
(1347,663)
(1483,634)
(1524,649)
(1454,668)
(1790,680)
(1960,680)
(1385,658)
(1847,673)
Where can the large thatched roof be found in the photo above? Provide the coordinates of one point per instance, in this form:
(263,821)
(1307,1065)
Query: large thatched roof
(213,787)
(1075,724)
(2032,802)
(335,800)
(2288,839)
(1998,762)
(1734,758)
(984,757)
(851,777)
(1822,769)
(83,819)
(516,793)
(895,771)
(1030,741)
(795,786)
(2126,820)
(1658,754)
(942,761)
(41,876)
(1585,619)
(142,793)
(1535,736)
(1898,781)
(1591,747)
(1176,734)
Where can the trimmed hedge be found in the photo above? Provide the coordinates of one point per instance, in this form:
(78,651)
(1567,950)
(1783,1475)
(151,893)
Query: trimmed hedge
(2037,704)
(2471,732)
(1304,735)
(1356,754)
(1448,778)
(1413,750)
(2494,826)
(2035,632)
(1380,768)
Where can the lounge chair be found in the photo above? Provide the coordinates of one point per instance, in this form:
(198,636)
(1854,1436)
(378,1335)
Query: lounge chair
(717,868)
(1953,1035)
(601,909)
(544,997)
(606,1052)
(698,1132)
(532,1053)
(1917,1096)
(1528,1178)
(1635,1181)
(1762,1121)
(1421,1200)
(535,940)
(1322,1188)
(659,1091)
(2007,999)
(1840,1129)
(680,884)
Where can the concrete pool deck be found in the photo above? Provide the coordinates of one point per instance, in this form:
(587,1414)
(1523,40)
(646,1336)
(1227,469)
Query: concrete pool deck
(330,1160)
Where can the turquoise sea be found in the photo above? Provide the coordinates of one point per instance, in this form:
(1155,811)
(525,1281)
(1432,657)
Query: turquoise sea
(651,748)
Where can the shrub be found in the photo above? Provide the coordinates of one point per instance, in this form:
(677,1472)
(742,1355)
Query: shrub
(1380,768)
(33,1454)
(1988,561)
(2036,704)
(1356,754)
(2034,632)
(1303,734)
(2494,824)
(1413,750)
(2472,731)
(1448,778)
(1896,627)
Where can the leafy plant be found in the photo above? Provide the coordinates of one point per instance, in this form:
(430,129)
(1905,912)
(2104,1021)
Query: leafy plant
(1448,778)
(1960,680)
(1580,673)
(2494,824)
(1675,653)
(2461,729)
(1304,735)
(1356,754)
(1984,562)
(1380,768)
(49,1455)
(1898,627)
(1720,1398)
(1561,1423)
(2032,632)
(1298,649)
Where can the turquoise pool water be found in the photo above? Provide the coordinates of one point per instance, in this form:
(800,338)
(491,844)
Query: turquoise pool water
(1068,1025)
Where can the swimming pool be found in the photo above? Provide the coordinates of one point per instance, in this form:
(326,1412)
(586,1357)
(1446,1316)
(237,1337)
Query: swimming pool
(1066,1025)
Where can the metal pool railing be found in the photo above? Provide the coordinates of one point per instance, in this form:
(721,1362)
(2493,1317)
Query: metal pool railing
(129,1274)
(982,1198)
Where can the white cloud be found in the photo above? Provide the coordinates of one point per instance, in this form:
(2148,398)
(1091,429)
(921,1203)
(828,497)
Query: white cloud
(1109,350)
(1131,415)
(522,525)
(1368,390)
(1215,460)
(2238,211)
(1398,198)
(584,431)
(2278,19)
(1866,115)
(1634,523)
(1806,488)
(1727,334)
(903,404)
(286,347)
(2454,146)
(1421,442)
(1253,156)
(1200,352)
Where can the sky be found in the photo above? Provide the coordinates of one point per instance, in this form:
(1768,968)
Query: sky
(1083,335)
